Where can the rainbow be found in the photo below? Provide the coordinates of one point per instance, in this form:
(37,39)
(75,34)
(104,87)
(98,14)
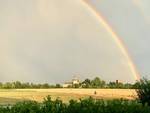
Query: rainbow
(115,36)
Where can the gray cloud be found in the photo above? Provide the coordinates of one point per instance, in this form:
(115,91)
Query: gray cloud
(52,40)
(130,19)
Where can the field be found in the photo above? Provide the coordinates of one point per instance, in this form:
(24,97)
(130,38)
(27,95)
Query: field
(12,96)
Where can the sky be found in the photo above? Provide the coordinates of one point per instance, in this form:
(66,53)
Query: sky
(53,40)
(131,20)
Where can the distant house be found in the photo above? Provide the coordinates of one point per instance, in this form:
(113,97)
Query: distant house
(75,81)
(67,84)
(118,81)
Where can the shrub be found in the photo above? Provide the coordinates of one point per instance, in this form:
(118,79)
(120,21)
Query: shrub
(143,91)
(26,107)
(88,105)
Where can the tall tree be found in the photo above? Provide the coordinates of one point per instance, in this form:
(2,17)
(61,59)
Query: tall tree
(86,83)
(98,83)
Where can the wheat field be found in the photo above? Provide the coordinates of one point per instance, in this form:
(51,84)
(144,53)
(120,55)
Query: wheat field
(12,96)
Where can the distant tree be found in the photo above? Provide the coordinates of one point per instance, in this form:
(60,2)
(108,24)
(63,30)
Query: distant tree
(1,85)
(111,85)
(128,86)
(17,84)
(46,85)
(7,85)
(86,83)
(76,85)
(120,85)
(116,85)
(135,85)
(58,86)
(98,83)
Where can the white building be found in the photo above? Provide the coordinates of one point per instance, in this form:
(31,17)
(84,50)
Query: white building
(67,84)
(75,81)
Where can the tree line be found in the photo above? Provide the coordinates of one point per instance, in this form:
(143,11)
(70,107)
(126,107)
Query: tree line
(27,85)
(98,83)
(87,83)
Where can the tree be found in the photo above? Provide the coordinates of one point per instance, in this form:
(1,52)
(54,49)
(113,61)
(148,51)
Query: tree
(117,85)
(136,85)
(76,85)
(143,91)
(58,86)
(98,83)
(86,83)
(112,85)
(17,84)
(7,85)
(45,85)
(1,85)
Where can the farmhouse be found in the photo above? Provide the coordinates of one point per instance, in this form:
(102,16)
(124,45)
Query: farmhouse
(67,84)
(118,81)
(75,81)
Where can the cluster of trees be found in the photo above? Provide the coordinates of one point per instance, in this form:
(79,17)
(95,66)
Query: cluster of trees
(95,83)
(98,83)
(19,85)
(87,83)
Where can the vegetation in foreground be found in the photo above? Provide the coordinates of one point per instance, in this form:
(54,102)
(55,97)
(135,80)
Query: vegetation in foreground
(89,105)
(143,91)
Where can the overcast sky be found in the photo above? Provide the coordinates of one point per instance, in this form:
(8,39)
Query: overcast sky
(53,40)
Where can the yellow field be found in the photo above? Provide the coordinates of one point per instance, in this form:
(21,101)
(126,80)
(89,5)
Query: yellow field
(15,95)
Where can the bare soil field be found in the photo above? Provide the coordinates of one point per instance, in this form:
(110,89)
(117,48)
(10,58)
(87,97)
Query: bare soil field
(14,95)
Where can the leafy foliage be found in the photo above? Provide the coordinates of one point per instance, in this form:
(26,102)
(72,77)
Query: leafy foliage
(143,91)
(98,83)
(19,85)
(88,105)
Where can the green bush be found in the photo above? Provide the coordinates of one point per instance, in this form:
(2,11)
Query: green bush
(49,106)
(143,91)
(88,105)
(26,107)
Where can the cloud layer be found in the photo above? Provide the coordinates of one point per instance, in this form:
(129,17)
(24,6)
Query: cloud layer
(53,40)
